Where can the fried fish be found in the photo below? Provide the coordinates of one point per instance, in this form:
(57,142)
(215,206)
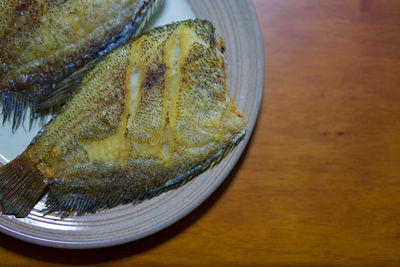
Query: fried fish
(151,115)
(46,45)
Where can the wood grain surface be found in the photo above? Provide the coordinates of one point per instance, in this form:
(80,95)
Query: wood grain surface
(319,183)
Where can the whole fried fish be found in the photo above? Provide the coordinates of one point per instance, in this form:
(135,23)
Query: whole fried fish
(151,115)
(45,46)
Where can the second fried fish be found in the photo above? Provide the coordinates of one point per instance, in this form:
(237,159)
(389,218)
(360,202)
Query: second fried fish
(45,46)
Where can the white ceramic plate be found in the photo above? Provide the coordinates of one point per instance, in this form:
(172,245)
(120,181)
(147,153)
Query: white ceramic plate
(236,22)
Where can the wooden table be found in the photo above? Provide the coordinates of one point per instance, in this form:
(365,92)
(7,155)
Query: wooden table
(319,183)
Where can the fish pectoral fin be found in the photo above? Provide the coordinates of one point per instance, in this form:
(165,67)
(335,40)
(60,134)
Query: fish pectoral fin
(64,90)
(21,187)
(56,98)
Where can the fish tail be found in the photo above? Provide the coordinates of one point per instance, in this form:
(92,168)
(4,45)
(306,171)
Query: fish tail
(21,186)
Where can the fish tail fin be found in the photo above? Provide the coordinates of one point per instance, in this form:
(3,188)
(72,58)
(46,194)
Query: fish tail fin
(21,186)
(53,101)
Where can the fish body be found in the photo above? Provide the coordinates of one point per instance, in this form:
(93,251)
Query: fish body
(46,45)
(148,117)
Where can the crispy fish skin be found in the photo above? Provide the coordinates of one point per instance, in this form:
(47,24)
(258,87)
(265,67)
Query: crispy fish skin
(150,116)
(43,42)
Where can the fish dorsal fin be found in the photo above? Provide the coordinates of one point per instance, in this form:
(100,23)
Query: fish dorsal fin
(64,90)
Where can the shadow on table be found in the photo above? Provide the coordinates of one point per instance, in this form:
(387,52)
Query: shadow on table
(92,256)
